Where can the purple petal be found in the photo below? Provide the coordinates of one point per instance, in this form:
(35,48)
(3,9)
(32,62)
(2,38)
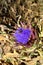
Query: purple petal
(22,35)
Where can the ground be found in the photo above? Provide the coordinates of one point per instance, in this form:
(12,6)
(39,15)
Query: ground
(15,14)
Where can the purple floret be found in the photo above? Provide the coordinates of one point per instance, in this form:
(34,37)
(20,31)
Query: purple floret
(22,35)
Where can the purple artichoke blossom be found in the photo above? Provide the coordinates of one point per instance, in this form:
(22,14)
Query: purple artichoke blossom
(22,35)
